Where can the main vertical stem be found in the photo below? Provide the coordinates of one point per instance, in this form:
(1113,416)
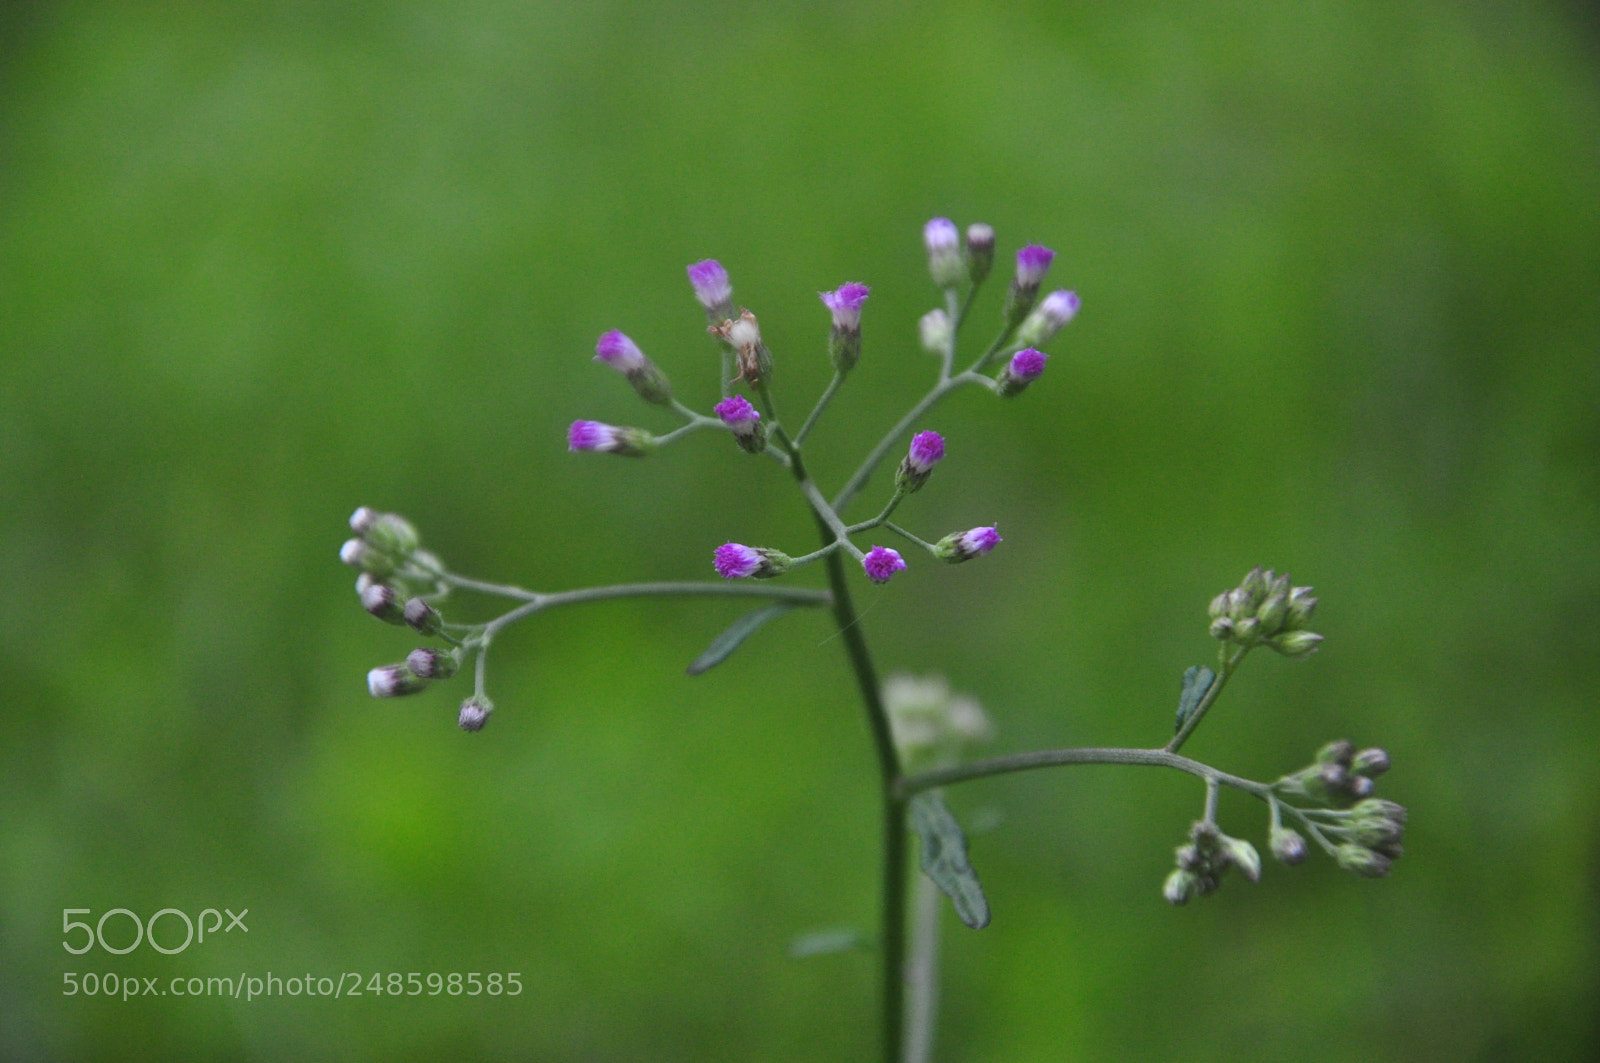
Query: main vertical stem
(892,936)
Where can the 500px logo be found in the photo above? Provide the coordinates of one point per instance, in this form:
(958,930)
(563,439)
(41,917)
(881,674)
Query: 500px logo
(145,931)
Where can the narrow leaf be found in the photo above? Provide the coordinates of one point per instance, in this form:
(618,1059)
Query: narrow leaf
(828,942)
(944,858)
(1196,682)
(723,646)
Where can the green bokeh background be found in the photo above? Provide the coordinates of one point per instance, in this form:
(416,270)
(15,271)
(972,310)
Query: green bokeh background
(260,263)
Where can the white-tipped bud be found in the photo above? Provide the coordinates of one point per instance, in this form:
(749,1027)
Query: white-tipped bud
(429,663)
(394,681)
(1180,887)
(980,251)
(392,534)
(358,553)
(474,713)
(381,601)
(1049,318)
(1242,855)
(364,519)
(1370,762)
(934,332)
(943,242)
(422,616)
(1295,643)
(1288,846)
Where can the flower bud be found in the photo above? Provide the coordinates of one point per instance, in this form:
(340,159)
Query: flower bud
(1180,887)
(392,534)
(1033,262)
(964,546)
(1362,861)
(1288,846)
(363,520)
(980,251)
(1339,751)
(1242,855)
(1051,316)
(1295,643)
(737,561)
(1222,628)
(1370,762)
(844,341)
(744,422)
(743,334)
(927,450)
(1272,613)
(1301,605)
(474,713)
(394,681)
(422,616)
(429,663)
(358,553)
(609,439)
(1026,366)
(1219,605)
(381,601)
(933,329)
(622,354)
(943,242)
(881,563)
(712,289)
(1359,786)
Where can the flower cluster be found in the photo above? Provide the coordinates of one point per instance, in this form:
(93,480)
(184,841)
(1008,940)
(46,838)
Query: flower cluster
(1266,610)
(1203,859)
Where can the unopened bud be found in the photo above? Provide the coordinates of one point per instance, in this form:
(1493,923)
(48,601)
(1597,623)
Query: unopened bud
(844,340)
(392,534)
(1242,855)
(1370,762)
(1180,887)
(393,681)
(1295,643)
(1287,845)
(1219,605)
(1272,613)
(422,616)
(358,553)
(1359,786)
(711,288)
(934,331)
(381,601)
(431,663)
(1339,751)
(744,422)
(474,713)
(980,251)
(1247,629)
(1222,628)
(1301,606)
(1377,806)
(1333,777)
(1188,858)
(1033,262)
(943,243)
(1362,861)
(363,519)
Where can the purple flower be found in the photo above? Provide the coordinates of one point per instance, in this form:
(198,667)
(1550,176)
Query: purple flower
(608,439)
(927,450)
(845,303)
(963,546)
(1033,262)
(619,352)
(737,413)
(1026,366)
(737,561)
(1051,316)
(745,423)
(943,242)
(882,563)
(711,285)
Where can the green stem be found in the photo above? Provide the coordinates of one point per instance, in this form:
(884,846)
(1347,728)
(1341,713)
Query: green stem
(1051,758)
(892,526)
(822,404)
(1229,663)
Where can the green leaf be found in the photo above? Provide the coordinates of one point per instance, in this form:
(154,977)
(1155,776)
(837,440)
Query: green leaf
(1196,682)
(827,942)
(723,646)
(944,858)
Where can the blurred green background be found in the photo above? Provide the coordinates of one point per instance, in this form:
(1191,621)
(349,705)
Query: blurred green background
(261,263)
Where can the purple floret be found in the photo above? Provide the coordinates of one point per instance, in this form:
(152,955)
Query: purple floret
(980,540)
(710,282)
(927,450)
(845,304)
(940,234)
(736,561)
(619,352)
(1028,364)
(1033,262)
(736,411)
(881,563)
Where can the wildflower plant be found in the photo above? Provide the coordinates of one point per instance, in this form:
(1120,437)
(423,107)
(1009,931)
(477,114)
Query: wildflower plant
(924,736)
